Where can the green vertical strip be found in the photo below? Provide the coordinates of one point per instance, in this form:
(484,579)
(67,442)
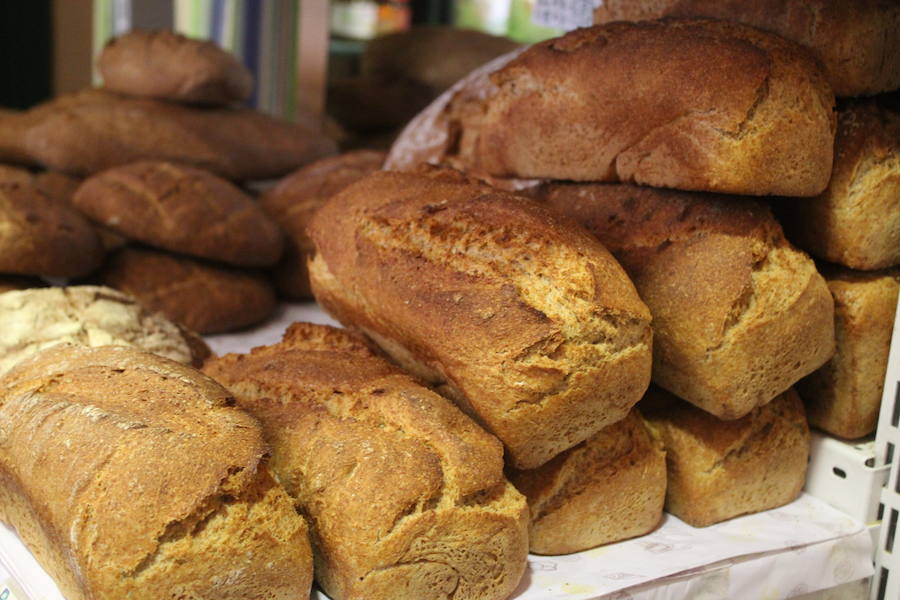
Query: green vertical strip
(103,25)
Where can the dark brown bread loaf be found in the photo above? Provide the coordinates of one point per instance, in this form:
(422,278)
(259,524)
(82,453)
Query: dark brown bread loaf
(739,315)
(204,297)
(608,488)
(858,41)
(40,235)
(405,494)
(294,201)
(170,66)
(93,130)
(856,221)
(522,317)
(182,209)
(132,476)
(718,470)
(688,104)
(844,396)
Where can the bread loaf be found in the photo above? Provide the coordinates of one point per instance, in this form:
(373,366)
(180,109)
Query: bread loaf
(405,494)
(858,41)
(182,209)
(167,65)
(294,201)
(608,488)
(641,103)
(35,319)
(856,221)
(522,317)
(132,476)
(718,470)
(844,396)
(739,315)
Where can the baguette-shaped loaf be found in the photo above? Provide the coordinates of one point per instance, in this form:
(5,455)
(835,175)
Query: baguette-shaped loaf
(739,314)
(608,488)
(405,494)
(132,476)
(688,104)
(520,315)
(858,41)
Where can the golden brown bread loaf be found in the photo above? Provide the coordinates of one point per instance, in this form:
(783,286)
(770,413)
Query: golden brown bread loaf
(858,41)
(739,314)
(204,297)
(294,201)
(844,396)
(718,470)
(608,488)
(92,130)
(182,209)
(405,494)
(639,103)
(40,235)
(132,476)
(856,221)
(521,316)
(35,319)
(170,66)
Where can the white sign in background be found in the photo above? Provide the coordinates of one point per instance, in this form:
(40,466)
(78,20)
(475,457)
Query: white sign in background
(564,14)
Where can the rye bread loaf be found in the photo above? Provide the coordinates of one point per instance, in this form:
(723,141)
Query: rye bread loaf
(857,41)
(739,315)
(93,130)
(131,476)
(718,470)
(519,315)
(182,209)
(32,320)
(293,202)
(204,297)
(689,104)
(405,494)
(170,66)
(608,488)
(856,221)
(844,396)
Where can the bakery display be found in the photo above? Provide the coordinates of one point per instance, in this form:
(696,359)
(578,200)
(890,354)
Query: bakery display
(718,470)
(856,220)
(858,42)
(606,489)
(405,494)
(132,476)
(844,396)
(520,316)
(739,315)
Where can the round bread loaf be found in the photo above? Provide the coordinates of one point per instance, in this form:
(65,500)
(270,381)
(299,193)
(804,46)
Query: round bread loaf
(182,209)
(131,476)
(170,66)
(689,104)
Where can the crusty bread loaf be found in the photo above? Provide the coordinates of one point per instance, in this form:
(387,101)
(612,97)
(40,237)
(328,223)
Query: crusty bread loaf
(204,297)
(522,317)
(405,494)
(844,396)
(608,488)
(132,476)
(722,469)
(858,41)
(182,209)
(297,197)
(640,103)
(93,130)
(739,315)
(40,235)
(856,221)
(170,66)
(32,320)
